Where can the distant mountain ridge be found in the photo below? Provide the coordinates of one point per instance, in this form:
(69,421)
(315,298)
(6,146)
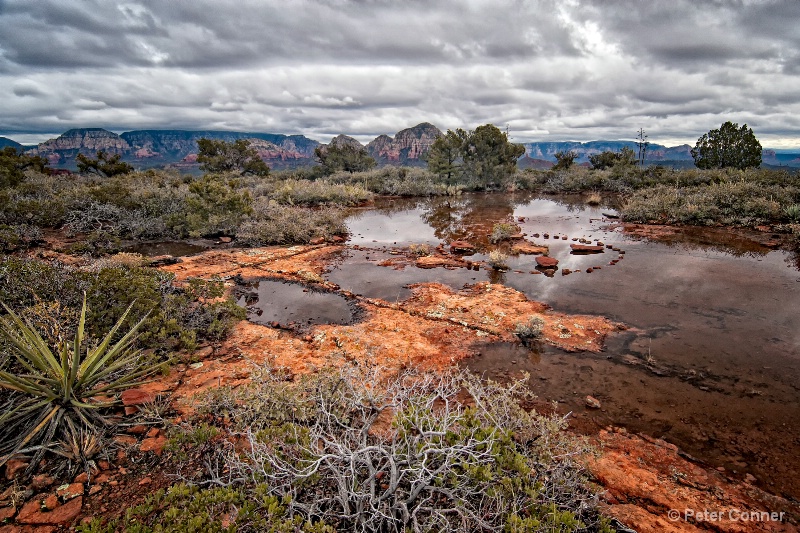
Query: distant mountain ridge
(655,152)
(156,148)
(150,148)
(5,141)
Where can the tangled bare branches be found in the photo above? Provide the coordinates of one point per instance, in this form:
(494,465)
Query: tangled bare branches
(415,452)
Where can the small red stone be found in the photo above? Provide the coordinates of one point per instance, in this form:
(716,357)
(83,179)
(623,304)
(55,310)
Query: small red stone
(135,397)
(546,261)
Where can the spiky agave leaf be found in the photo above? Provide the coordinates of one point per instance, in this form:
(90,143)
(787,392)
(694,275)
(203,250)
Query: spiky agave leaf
(62,387)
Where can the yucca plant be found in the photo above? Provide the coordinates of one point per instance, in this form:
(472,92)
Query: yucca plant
(63,388)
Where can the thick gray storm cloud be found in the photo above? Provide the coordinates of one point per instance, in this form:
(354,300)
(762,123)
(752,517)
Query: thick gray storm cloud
(548,70)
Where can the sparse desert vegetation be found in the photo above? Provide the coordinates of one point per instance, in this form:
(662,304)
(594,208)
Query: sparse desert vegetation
(498,260)
(747,198)
(339,449)
(351,450)
(530,330)
(503,231)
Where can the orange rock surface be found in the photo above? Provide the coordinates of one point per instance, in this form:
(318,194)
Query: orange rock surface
(651,488)
(433,329)
(527,247)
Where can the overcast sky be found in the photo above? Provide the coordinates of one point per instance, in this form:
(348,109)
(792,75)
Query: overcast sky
(549,70)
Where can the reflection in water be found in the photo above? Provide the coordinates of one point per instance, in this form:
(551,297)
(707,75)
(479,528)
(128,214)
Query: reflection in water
(711,239)
(507,355)
(273,301)
(497,276)
(713,363)
(469,217)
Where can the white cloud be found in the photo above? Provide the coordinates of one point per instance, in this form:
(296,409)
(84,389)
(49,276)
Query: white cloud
(550,70)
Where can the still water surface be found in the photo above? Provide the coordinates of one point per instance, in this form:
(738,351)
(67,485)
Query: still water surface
(712,359)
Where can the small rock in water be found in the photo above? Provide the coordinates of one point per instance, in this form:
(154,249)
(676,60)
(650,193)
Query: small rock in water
(462,247)
(546,262)
(592,402)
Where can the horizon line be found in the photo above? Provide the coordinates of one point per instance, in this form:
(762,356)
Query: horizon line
(51,136)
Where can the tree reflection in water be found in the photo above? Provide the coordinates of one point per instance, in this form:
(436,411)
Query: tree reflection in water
(470,217)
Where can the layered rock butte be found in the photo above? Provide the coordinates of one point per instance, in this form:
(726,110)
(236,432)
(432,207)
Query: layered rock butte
(152,148)
(407,147)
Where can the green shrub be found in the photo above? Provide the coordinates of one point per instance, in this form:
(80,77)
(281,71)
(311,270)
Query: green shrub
(395,181)
(96,244)
(105,165)
(792,212)
(303,192)
(272,223)
(743,203)
(15,164)
(532,329)
(214,206)
(175,318)
(323,445)
(190,509)
(629,178)
(235,157)
(18,236)
(575,179)
(503,231)
(40,201)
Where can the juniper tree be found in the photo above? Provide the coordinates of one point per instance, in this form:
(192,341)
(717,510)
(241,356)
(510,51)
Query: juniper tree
(728,146)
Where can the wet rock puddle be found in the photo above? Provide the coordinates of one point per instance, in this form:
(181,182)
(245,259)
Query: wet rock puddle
(712,363)
(291,305)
